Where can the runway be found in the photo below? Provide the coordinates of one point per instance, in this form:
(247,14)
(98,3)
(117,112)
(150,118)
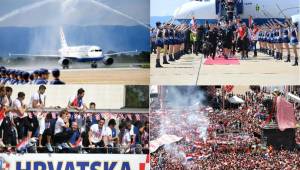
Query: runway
(190,70)
(127,76)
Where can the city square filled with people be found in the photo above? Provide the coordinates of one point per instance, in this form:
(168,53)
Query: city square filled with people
(76,128)
(233,138)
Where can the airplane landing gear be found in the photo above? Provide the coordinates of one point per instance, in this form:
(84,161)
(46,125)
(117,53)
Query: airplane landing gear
(94,64)
(65,66)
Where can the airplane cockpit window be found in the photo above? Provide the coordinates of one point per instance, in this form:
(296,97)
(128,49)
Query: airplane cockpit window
(98,50)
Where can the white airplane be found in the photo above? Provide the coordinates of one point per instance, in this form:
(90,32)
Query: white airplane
(67,54)
(260,10)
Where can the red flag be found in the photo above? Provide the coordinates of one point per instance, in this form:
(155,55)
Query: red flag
(2,113)
(285,114)
(228,88)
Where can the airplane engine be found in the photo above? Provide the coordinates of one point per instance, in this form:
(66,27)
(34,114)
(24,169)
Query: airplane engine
(64,63)
(108,61)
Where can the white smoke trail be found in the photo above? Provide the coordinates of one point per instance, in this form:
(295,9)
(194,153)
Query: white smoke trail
(118,12)
(184,100)
(24,9)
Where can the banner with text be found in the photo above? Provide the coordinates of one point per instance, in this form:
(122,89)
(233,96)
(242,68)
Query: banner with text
(74,162)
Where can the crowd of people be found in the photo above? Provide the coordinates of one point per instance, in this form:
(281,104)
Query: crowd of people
(233,140)
(37,77)
(225,38)
(78,128)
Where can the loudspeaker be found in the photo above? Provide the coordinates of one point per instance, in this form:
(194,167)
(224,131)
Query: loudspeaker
(280,139)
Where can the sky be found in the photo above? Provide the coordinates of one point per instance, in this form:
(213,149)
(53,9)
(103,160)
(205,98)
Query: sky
(72,12)
(165,7)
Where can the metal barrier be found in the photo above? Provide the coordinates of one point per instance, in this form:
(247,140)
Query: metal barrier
(79,149)
(125,110)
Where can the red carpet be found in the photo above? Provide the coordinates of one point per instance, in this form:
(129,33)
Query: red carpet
(220,60)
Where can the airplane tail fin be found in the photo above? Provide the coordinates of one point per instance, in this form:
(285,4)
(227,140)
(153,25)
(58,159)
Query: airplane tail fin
(63,41)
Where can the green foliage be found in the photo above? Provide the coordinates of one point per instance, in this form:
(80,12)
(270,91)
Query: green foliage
(137,96)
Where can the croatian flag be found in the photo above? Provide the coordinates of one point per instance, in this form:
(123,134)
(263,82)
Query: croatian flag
(250,21)
(197,144)
(22,145)
(193,23)
(4,165)
(2,114)
(145,165)
(77,143)
(189,157)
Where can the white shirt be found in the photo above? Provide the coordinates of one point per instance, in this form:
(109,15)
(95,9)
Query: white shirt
(108,132)
(126,138)
(132,130)
(38,97)
(59,125)
(16,105)
(4,101)
(97,133)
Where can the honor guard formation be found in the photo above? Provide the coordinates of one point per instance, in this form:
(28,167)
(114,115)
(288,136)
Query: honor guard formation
(225,38)
(37,77)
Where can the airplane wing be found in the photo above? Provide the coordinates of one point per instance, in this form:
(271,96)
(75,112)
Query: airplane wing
(123,52)
(35,55)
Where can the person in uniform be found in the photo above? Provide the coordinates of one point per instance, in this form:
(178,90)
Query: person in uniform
(44,76)
(13,77)
(170,34)
(286,41)
(7,76)
(159,44)
(278,42)
(176,43)
(294,42)
(3,75)
(56,74)
(167,43)
(152,40)
(182,38)
(264,40)
(19,77)
(36,75)
(25,77)
(272,41)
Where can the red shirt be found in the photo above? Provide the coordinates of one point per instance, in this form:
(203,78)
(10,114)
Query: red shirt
(241,31)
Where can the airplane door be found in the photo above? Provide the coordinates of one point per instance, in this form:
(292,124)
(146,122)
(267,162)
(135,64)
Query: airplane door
(239,7)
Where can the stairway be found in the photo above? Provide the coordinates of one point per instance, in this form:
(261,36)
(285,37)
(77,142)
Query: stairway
(229,9)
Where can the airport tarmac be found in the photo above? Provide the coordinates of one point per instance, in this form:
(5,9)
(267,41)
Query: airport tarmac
(128,76)
(190,70)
